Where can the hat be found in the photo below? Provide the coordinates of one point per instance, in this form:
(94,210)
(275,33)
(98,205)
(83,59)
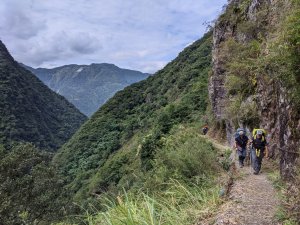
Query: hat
(241,132)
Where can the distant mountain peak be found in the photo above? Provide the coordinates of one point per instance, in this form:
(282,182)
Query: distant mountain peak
(87,86)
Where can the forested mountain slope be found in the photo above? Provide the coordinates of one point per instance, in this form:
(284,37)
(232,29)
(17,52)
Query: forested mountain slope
(119,142)
(30,111)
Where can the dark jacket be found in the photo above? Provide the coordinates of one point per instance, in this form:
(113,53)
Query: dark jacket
(258,143)
(242,141)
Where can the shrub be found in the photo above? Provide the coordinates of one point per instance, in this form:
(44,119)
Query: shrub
(226,160)
(31,191)
(184,156)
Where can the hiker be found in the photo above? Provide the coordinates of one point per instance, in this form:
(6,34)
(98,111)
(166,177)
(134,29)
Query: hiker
(241,143)
(205,130)
(259,149)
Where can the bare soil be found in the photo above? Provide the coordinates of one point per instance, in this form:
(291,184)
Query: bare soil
(252,200)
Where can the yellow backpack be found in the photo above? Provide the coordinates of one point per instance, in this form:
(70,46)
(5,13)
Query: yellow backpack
(264,133)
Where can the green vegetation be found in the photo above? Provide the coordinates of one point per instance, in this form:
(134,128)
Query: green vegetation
(180,189)
(31,112)
(283,58)
(31,191)
(259,58)
(118,145)
(241,80)
(287,213)
(226,161)
(180,204)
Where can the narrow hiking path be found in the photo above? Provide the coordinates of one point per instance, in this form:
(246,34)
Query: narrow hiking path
(216,144)
(252,198)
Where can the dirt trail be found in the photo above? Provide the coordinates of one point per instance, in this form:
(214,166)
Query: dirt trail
(252,199)
(215,143)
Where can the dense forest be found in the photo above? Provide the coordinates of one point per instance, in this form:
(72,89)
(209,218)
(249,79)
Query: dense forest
(30,111)
(31,189)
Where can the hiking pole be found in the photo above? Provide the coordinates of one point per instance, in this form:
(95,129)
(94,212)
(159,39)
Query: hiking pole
(251,160)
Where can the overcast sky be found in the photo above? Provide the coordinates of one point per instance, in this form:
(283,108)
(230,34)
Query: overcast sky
(135,34)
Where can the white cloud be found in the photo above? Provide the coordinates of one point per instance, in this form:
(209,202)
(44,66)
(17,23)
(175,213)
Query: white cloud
(136,34)
(18,21)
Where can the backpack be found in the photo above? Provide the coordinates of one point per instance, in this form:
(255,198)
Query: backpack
(264,134)
(237,132)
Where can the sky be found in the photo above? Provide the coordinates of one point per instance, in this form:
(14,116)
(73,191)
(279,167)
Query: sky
(136,34)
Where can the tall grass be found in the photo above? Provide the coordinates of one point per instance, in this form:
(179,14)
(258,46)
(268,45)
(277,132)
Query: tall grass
(179,204)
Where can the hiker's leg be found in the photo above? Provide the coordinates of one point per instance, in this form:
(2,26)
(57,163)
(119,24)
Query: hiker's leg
(255,161)
(259,161)
(241,161)
(252,153)
(244,152)
(251,158)
(248,157)
(240,157)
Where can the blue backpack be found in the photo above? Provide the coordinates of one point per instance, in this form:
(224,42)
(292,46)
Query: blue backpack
(237,132)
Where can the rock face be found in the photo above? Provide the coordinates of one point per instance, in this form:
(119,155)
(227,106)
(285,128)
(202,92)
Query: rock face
(87,86)
(30,111)
(275,111)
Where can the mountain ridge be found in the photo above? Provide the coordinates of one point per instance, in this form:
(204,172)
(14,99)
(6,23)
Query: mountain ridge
(87,86)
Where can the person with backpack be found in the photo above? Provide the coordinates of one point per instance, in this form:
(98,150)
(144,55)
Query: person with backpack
(205,130)
(241,143)
(259,149)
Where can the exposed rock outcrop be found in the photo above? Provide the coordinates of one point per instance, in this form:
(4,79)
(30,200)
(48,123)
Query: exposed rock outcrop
(275,111)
